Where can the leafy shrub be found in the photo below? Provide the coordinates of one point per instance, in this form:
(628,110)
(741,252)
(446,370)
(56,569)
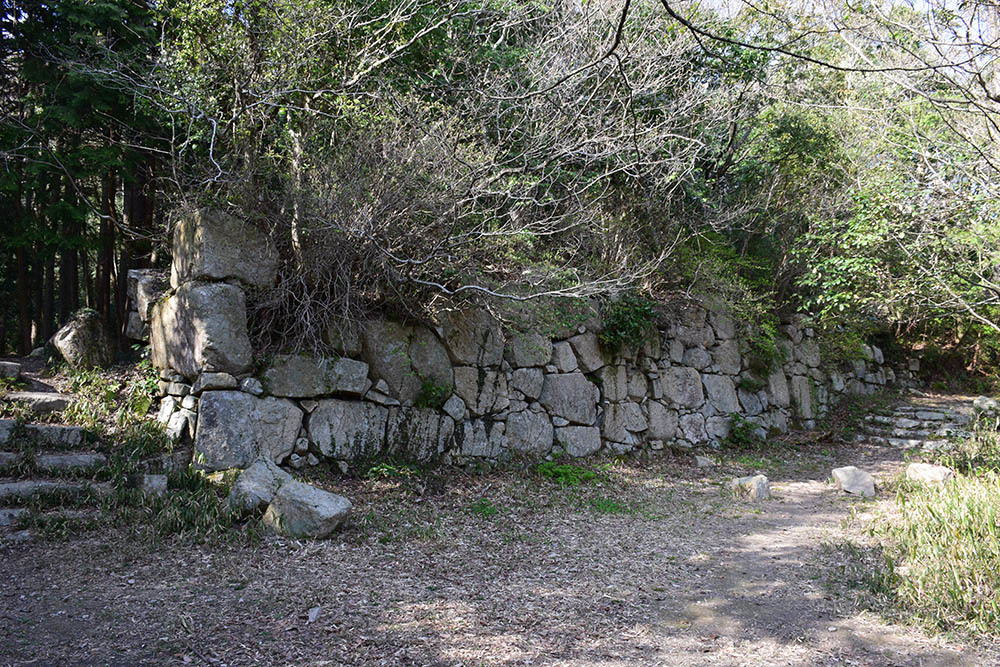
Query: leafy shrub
(432,394)
(627,322)
(566,474)
(743,434)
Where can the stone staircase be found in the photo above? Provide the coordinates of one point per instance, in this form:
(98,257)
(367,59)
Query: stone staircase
(49,474)
(924,422)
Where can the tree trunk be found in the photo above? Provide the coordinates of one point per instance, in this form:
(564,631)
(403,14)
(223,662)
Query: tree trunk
(23,302)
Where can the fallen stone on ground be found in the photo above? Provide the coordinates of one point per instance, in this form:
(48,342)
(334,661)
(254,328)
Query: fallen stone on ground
(10,370)
(753,488)
(703,462)
(854,481)
(83,342)
(928,473)
(300,510)
(254,489)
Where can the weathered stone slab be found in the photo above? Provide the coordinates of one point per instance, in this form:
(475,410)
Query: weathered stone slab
(753,488)
(579,440)
(209,381)
(588,351)
(70,462)
(10,370)
(928,473)
(300,376)
(234,428)
(211,245)
(202,327)
(528,381)
(684,387)
(801,395)
(529,432)
(303,511)
(692,427)
(528,349)
(854,481)
(721,393)
(40,402)
(82,342)
(348,430)
(726,358)
(484,390)
(571,396)
(481,439)
(145,287)
(662,421)
(255,487)
(563,357)
(418,434)
(472,337)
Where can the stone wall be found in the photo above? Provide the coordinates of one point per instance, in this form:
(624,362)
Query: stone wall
(464,389)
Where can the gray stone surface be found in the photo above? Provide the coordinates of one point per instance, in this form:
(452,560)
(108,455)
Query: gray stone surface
(10,370)
(255,487)
(209,381)
(777,389)
(299,376)
(234,428)
(620,422)
(66,462)
(753,488)
(721,393)
(528,381)
(153,484)
(579,440)
(807,352)
(40,402)
(588,351)
(251,386)
(348,430)
(927,473)
(472,337)
(481,439)
(726,358)
(697,358)
(429,358)
(614,382)
(662,421)
(528,349)
(571,396)
(202,327)
(484,390)
(418,434)
(211,245)
(692,427)
(684,388)
(563,357)
(386,349)
(303,511)
(135,328)
(801,395)
(529,432)
(82,342)
(854,481)
(455,408)
(145,287)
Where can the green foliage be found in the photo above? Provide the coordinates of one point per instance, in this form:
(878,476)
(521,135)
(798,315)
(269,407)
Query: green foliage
(432,394)
(484,508)
(608,506)
(566,474)
(743,434)
(628,321)
(387,470)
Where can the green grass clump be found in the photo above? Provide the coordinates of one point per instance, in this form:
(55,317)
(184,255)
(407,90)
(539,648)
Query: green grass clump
(943,552)
(566,474)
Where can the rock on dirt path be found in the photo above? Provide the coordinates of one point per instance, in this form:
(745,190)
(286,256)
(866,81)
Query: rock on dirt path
(655,565)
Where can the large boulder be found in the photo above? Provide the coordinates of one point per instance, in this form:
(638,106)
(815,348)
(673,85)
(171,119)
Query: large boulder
(300,376)
(571,396)
(721,393)
(82,342)
(579,440)
(303,511)
(529,432)
(234,428)
(406,358)
(621,421)
(145,287)
(202,327)
(348,430)
(662,421)
(211,245)
(928,473)
(473,337)
(255,487)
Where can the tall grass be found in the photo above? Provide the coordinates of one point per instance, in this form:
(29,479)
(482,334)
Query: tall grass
(942,541)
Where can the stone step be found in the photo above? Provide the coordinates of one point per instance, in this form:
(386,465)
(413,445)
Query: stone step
(41,402)
(51,435)
(9,518)
(58,461)
(12,490)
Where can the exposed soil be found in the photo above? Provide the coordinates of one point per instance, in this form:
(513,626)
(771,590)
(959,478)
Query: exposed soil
(655,565)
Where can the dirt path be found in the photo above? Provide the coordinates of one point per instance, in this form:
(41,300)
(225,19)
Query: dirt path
(655,565)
